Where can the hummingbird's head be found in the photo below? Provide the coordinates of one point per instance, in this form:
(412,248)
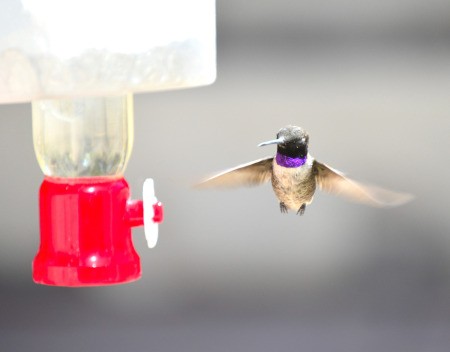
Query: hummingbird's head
(292,141)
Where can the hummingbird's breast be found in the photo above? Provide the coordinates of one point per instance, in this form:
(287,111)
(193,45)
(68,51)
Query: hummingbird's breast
(294,186)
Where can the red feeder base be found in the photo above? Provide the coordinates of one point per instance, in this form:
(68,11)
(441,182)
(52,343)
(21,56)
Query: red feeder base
(86,233)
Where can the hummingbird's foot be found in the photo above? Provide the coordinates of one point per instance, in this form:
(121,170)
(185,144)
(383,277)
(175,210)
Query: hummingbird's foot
(283,208)
(301,211)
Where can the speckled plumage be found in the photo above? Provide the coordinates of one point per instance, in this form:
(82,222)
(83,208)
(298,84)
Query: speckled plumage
(294,186)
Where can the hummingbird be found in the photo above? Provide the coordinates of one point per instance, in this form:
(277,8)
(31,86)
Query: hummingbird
(296,175)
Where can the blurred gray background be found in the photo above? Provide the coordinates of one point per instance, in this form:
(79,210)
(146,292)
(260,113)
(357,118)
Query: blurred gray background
(370,81)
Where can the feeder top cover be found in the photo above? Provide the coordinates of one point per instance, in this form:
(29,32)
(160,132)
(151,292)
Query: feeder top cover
(55,49)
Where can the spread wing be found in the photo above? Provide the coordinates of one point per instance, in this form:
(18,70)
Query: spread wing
(250,174)
(334,182)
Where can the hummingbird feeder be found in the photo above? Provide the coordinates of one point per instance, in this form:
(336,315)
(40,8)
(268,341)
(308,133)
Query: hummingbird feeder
(79,63)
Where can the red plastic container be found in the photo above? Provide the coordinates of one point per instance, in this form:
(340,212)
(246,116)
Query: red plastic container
(86,232)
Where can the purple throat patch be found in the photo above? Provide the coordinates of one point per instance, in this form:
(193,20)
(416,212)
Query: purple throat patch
(287,161)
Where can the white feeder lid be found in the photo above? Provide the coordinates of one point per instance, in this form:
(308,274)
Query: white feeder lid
(55,49)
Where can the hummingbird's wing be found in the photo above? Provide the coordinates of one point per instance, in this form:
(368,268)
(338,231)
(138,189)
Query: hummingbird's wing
(335,182)
(250,174)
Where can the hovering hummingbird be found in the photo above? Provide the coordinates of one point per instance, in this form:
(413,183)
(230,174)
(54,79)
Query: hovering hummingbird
(296,175)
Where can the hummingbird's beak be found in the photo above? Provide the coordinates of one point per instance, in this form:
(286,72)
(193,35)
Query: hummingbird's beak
(274,141)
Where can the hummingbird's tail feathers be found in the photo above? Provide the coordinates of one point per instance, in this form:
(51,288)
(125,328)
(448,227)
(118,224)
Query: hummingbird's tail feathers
(334,182)
(250,174)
